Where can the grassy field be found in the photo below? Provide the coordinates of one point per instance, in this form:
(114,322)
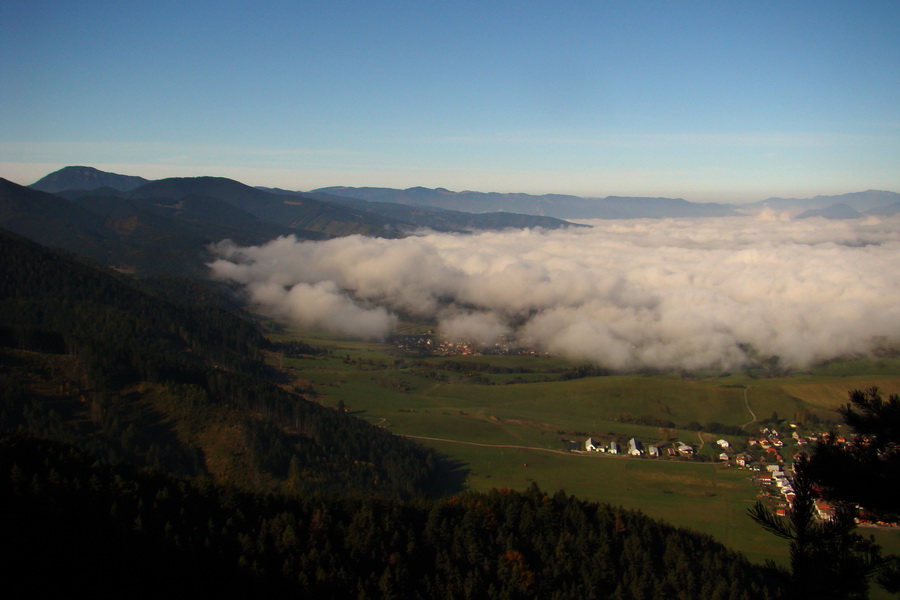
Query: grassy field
(512,434)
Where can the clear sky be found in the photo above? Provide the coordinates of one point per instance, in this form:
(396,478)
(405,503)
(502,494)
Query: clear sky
(710,101)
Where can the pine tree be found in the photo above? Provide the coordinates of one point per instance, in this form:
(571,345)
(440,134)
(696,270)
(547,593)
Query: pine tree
(828,560)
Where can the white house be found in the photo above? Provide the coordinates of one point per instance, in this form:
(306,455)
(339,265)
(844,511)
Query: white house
(590,446)
(634,447)
(613,447)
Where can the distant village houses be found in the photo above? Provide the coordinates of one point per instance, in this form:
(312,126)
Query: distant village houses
(634,447)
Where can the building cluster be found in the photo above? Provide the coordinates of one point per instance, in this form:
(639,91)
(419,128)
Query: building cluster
(763,453)
(635,447)
(768,447)
(432,345)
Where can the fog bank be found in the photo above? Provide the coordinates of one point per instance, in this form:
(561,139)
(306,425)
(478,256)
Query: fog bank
(689,293)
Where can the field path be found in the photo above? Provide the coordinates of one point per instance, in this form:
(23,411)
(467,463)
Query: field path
(752,414)
(514,447)
(427,394)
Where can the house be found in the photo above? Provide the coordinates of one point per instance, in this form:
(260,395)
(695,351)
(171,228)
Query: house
(634,447)
(590,446)
(825,510)
(653,451)
(742,460)
(723,443)
(613,447)
(684,449)
(724,456)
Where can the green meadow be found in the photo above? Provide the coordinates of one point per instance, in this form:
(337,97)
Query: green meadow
(510,421)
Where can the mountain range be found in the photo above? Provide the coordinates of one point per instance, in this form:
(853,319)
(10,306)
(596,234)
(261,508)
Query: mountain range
(554,205)
(445,210)
(872,202)
(165,226)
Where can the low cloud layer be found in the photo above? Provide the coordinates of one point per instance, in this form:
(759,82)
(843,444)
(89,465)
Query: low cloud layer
(624,294)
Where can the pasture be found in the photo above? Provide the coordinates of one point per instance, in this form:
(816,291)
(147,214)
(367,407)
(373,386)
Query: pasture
(510,421)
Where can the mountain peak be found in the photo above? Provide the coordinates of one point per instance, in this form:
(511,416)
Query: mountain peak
(86,178)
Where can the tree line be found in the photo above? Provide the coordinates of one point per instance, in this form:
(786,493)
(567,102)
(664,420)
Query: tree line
(75,522)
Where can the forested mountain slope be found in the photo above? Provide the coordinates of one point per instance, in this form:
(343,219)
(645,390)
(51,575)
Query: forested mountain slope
(173,379)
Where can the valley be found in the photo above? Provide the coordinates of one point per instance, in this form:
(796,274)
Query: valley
(510,421)
(653,375)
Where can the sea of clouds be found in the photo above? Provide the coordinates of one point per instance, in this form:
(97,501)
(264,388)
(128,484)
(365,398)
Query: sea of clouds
(674,293)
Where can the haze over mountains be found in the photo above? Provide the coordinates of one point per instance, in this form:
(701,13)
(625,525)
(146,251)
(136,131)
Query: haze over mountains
(555,205)
(618,207)
(426,207)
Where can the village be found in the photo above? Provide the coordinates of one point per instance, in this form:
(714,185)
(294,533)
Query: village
(762,455)
(767,447)
(429,344)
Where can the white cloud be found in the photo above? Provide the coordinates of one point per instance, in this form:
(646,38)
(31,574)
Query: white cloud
(624,294)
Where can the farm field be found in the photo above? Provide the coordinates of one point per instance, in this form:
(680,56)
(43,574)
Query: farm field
(505,434)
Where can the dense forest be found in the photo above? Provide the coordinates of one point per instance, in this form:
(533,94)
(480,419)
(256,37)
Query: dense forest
(79,524)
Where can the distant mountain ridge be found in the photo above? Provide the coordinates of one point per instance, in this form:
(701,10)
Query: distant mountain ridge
(389,211)
(869,202)
(560,206)
(167,225)
(835,211)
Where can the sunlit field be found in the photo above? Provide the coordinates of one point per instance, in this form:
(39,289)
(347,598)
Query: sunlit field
(500,434)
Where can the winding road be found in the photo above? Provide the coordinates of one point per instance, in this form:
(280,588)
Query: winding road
(434,439)
(747,404)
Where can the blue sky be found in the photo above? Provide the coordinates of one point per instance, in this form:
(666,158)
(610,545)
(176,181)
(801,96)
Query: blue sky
(710,101)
